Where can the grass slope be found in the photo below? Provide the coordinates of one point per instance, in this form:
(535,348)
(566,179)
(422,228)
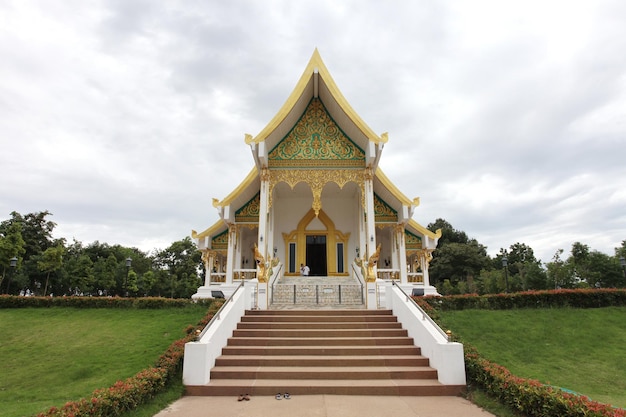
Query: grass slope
(579,349)
(54,355)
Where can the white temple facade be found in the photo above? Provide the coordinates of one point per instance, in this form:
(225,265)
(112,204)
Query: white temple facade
(315,196)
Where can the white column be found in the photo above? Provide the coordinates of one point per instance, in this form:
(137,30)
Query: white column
(207,274)
(399,232)
(426,265)
(230,256)
(262,238)
(209,266)
(370,224)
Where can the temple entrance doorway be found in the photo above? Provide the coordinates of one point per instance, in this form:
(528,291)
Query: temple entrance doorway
(316,254)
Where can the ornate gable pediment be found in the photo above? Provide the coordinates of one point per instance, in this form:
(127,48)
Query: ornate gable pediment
(412,241)
(383,212)
(249,212)
(220,241)
(316,141)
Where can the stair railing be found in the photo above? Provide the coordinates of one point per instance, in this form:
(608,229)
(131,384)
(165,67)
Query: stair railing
(357,274)
(444,355)
(425,316)
(218,315)
(274,279)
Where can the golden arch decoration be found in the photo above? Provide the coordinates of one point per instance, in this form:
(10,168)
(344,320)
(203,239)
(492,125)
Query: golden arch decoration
(333,236)
(317,179)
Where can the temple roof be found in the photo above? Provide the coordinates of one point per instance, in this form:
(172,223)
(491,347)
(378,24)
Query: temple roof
(316,82)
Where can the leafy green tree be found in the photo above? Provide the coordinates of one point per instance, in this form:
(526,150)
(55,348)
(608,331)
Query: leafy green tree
(560,273)
(458,261)
(448,233)
(180,262)
(524,270)
(535,277)
(80,275)
(146,283)
(11,246)
(491,281)
(37,235)
(131,283)
(51,261)
(105,271)
(606,270)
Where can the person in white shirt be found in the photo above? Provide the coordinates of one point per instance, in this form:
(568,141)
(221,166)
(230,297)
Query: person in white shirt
(304,270)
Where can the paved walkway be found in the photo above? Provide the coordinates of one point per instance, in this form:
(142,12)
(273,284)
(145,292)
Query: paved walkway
(324,406)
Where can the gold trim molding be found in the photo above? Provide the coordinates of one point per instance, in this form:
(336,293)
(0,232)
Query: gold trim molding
(317,179)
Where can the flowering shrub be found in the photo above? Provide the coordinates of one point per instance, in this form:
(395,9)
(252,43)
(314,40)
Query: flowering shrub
(128,394)
(12,301)
(528,396)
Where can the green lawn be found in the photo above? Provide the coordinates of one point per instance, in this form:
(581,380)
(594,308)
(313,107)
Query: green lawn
(52,355)
(583,350)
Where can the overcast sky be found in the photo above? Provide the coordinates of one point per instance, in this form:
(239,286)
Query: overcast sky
(125,118)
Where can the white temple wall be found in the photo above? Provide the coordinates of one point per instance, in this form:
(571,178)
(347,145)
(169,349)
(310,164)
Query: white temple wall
(343,211)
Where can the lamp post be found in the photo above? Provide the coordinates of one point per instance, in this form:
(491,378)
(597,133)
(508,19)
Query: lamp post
(505,263)
(622,262)
(129,261)
(12,264)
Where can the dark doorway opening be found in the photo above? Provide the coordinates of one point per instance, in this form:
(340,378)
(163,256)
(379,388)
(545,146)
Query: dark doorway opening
(316,254)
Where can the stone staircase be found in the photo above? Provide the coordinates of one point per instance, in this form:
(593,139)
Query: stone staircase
(317,351)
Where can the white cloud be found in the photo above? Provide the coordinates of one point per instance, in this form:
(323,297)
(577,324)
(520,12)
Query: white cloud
(125,118)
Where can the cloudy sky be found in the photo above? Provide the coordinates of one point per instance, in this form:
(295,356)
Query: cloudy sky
(125,118)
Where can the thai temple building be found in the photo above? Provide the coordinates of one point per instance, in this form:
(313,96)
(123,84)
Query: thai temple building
(316,199)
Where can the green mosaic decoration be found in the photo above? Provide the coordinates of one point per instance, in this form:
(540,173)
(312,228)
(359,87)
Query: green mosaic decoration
(220,241)
(316,141)
(412,241)
(249,213)
(383,213)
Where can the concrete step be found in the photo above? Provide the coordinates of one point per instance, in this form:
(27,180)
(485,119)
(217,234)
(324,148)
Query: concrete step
(257,387)
(322,350)
(317,333)
(321,360)
(319,325)
(326,318)
(317,313)
(323,372)
(319,341)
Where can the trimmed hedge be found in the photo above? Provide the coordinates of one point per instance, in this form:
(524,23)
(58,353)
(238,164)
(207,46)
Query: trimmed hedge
(12,301)
(532,299)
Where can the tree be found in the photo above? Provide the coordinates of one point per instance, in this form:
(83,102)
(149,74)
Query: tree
(521,262)
(180,263)
(448,233)
(51,260)
(11,246)
(105,271)
(457,261)
(37,235)
(560,273)
(80,273)
(491,281)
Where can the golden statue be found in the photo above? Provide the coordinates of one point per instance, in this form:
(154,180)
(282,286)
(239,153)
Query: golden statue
(367,267)
(371,264)
(260,264)
(265,268)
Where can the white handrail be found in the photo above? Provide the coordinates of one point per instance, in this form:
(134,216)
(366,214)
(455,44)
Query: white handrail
(217,315)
